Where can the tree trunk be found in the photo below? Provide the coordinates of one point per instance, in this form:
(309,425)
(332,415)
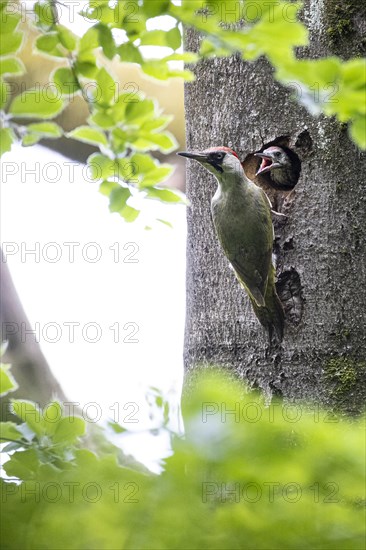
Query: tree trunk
(29,366)
(321,247)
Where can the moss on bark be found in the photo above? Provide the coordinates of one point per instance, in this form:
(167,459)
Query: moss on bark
(342,25)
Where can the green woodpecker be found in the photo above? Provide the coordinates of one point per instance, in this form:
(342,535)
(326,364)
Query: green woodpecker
(241,214)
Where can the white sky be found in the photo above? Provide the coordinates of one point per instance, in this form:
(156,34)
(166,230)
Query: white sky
(150,293)
(143,299)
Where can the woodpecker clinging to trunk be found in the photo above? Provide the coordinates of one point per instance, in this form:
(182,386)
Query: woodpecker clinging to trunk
(241,214)
(282,166)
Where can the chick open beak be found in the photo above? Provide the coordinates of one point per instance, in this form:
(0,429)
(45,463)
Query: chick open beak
(267,163)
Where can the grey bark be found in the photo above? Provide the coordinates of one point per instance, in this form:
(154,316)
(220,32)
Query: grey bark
(321,247)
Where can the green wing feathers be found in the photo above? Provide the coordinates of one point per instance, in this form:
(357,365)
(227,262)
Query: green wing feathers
(271,315)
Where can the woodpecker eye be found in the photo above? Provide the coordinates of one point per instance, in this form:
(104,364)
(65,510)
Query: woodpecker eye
(218,156)
(277,154)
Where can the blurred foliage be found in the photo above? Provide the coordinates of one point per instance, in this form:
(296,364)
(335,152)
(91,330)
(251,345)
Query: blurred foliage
(244,476)
(127,126)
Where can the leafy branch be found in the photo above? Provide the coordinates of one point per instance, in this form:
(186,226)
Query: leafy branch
(126,126)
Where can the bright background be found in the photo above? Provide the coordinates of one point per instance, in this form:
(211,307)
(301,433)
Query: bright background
(46,207)
(58,203)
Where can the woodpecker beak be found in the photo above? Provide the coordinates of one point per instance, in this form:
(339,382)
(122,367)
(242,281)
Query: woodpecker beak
(267,163)
(201,157)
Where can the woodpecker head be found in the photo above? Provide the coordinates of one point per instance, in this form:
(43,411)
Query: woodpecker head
(220,161)
(273,158)
(281,165)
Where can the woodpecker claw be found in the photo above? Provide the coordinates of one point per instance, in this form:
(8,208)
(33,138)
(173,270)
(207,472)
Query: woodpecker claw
(278,214)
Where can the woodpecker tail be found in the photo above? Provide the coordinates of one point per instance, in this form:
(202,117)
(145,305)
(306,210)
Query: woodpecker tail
(271,315)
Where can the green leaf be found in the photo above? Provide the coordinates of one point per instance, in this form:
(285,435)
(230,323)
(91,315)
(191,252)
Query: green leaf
(106,187)
(145,163)
(36,103)
(129,214)
(118,110)
(130,53)
(86,134)
(68,430)
(207,48)
(38,131)
(45,14)
(358,131)
(354,72)
(67,38)
(98,36)
(117,428)
(30,139)
(7,381)
(46,129)
(65,81)
(154,38)
(11,44)
(106,40)
(163,141)
(89,40)
(262,38)
(118,198)
(13,446)
(11,65)
(185,75)
(158,123)
(138,112)
(165,195)
(106,88)
(174,38)
(100,10)
(155,8)
(4,93)
(8,23)
(7,138)
(165,222)
(9,431)
(52,415)
(127,170)
(133,20)
(49,44)
(30,413)
(160,70)
(23,464)
(187,57)
(119,140)
(156,69)
(158,175)
(101,167)
(86,65)
(102,119)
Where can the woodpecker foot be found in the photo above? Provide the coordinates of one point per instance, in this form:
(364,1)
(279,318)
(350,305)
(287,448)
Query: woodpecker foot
(279,215)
